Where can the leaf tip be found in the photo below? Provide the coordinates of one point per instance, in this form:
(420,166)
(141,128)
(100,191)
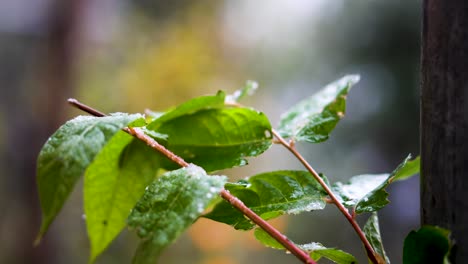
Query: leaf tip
(352,79)
(38,240)
(92,257)
(40,235)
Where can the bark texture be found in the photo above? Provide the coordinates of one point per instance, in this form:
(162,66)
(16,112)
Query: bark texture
(444,120)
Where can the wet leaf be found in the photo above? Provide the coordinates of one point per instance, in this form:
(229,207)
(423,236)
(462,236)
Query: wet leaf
(316,250)
(372,231)
(152,115)
(270,195)
(367,192)
(65,156)
(314,118)
(113,183)
(358,187)
(155,135)
(217,138)
(266,240)
(169,206)
(411,168)
(430,244)
(189,107)
(206,132)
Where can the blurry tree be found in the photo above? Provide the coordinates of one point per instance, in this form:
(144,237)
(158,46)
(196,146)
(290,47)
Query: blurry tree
(165,62)
(32,115)
(444,120)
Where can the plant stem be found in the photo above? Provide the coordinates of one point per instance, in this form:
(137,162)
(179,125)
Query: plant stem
(226,195)
(85,108)
(155,145)
(282,239)
(370,251)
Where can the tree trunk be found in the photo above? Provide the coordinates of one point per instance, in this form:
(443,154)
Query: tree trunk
(444,120)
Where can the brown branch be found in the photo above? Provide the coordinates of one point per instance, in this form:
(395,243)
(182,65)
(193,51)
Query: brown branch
(85,108)
(274,233)
(155,145)
(290,146)
(226,195)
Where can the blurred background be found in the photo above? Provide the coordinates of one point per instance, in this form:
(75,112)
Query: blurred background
(131,55)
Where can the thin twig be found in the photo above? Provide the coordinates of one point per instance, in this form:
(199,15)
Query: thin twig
(155,145)
(226,195)
(85,108)
(370,251)
(282,239)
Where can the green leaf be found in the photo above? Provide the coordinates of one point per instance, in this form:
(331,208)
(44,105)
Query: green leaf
(314,118)
(411,168)
(152,115)
(249,89)
(212,135)
(377,198)
(217,138)
(114,182)
(270,195)
(190,107)
(65,156)
(169,206)
(367,192)
(430,244)
(268,241)
(139,122)
(357,187)
(155,135)
(372,231)
(316,250)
